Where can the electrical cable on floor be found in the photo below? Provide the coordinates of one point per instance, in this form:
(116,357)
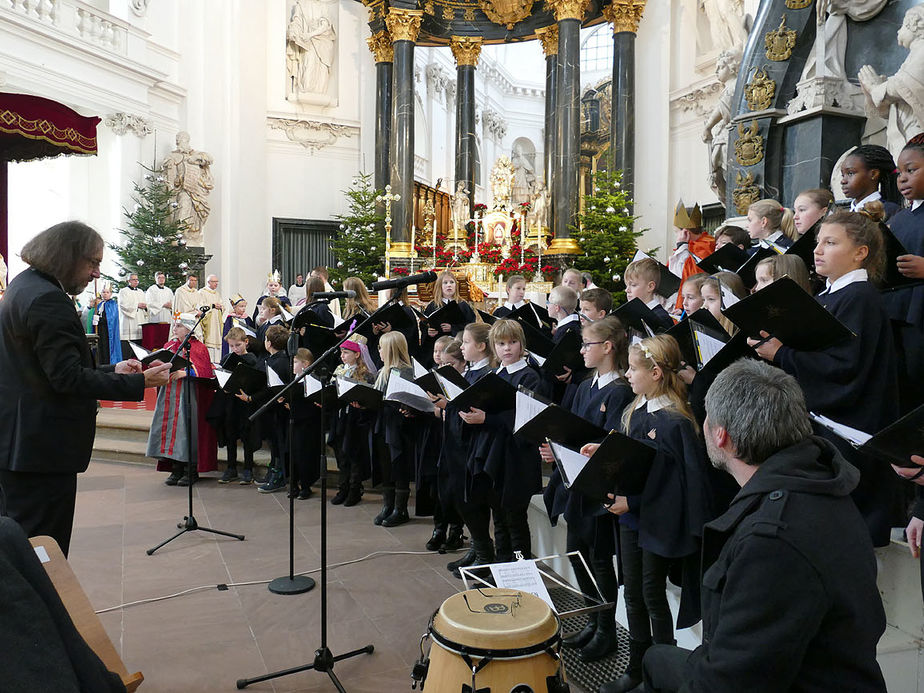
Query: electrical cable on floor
(224,586)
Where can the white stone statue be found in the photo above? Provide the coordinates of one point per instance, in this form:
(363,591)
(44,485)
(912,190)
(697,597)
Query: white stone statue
(310,48)
(715,134)
(899,99)
(539,210)
(726,22)
(461,209)
(502,176)
(524,176)
(189,175)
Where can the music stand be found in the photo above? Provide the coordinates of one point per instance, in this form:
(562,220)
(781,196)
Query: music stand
(189,523)
(324,659)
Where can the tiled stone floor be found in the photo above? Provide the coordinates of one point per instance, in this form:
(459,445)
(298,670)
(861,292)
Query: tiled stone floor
(206,640)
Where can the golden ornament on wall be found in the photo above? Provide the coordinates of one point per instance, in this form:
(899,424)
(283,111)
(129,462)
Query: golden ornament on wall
(448,13)
(760,90)
(506,12)
(798,4)
(780,42)
(749,147)
(745,193)
(469,14)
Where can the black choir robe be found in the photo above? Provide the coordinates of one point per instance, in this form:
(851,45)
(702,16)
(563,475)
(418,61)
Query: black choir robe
(229,416)
(425,352)
(350,428)
(855,383)
(410,334)
(393,439)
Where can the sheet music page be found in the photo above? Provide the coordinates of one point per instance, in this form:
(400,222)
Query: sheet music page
(222,376)
(273,379)
(312,385)
(343,386)
(140,352)
(451,389)
(523,576)
(286,315)
(635,339)
(414,395)
(243,326)
(338,321)
(851,435)
(639,255)
(572,462)
(648,330)
(538,359)
(527,409)
(707,346)
(419,371)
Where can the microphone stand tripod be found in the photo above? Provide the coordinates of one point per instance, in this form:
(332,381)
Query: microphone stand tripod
(324,659)
(189,523)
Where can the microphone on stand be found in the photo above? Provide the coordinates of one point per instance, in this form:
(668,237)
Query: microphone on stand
(401,282)
(330,295)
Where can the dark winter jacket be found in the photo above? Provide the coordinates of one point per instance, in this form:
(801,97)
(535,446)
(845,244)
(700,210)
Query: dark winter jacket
(789,591)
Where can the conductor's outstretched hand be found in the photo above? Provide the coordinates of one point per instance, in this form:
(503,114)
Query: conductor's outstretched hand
(157,376)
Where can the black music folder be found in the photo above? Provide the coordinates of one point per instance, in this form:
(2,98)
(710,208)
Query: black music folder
(318,338)
(533,315)
(164,355)
(804,247)
(620,466)
(784,310)
(537,419)
(892,279)
(491,394)
(431,383)
(449,313)
(700,336)
(748,270)
(314,390)
(394,315)
(728,258)
(537,342)
(734,349)
(636,315)
(354,391)
(565,354)
(486,317)
(306,317)
(895,443)
(407,393)
(244,378)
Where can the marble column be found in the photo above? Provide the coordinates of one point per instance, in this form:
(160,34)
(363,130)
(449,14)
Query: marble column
(403,26)
(465,49)
(568,15)
(548,36)
(625,16)
(381,47)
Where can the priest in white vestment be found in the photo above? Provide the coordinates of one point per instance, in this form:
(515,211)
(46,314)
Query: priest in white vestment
(160,300)
(186,299)
(132,310)
(213,322)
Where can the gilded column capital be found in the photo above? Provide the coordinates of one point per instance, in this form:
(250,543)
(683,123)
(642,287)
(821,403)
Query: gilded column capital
(624,15)
(465,49)
(568,9)
(380,45)
(403,25)
(548,37)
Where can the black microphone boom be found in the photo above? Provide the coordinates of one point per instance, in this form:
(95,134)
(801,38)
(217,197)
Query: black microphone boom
(401,282)
(330,295)
(205,309)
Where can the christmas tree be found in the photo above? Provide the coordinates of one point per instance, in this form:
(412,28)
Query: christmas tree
(153,239)
(359,248)
(606,235)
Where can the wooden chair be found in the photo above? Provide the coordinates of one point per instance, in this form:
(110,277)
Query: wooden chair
(81,611)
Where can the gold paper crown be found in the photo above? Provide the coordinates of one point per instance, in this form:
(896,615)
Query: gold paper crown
(274,276)
(688,219)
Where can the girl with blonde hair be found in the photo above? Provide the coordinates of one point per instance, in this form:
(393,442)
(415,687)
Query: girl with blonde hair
(772,223)
(445,289)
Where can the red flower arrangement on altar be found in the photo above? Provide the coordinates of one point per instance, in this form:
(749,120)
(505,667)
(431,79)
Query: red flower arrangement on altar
(489,253)
(508,266)
(549,272)
(479,207)
(525,207)
(400,271)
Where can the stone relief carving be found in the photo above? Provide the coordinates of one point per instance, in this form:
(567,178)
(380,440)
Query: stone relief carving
(437,79)
(122,123)
(311,43)
(312,135)
(697,100)
(715,133)
(189,175)
(899,99)
(494,123)
(139,7)
(726,22)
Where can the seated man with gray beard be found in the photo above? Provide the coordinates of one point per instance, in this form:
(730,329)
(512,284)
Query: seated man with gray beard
(789,593)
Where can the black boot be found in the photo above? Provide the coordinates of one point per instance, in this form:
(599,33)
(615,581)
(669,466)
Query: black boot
(633,675)
(438,538)
(388,505)
(502,542)
(189,477)
(520,539)
(583,636)
(341,495)
(453,539)
(468,558)
(399,515)
(604,641)
(484,554)
(354,495)
(175,474)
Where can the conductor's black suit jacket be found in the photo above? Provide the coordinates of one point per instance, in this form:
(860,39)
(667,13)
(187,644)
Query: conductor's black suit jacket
(48,386)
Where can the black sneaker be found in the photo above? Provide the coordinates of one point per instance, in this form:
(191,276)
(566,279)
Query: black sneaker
(273,484)
(173,478)
(246,477)
(340,496)
(229,476)
(305,494)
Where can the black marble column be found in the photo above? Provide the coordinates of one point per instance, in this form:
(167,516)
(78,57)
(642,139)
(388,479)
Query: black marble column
(402,142)
(465,129)
(622,112)
(568,146)
(383,115)
(551,128)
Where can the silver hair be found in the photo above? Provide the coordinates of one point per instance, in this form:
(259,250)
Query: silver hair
(760,407)
(61,250)
(565,297)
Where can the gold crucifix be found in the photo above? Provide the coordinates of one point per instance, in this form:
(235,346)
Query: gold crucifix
(388,198)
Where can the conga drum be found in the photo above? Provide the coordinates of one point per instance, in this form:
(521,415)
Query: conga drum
(495,641)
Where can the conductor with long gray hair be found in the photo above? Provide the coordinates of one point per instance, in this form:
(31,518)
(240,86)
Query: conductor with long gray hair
(48,385)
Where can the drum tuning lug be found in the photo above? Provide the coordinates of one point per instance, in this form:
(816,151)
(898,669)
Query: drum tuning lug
(419,673)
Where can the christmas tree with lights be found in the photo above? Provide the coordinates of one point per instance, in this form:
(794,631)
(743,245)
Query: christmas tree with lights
(153,238)
(359,249)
